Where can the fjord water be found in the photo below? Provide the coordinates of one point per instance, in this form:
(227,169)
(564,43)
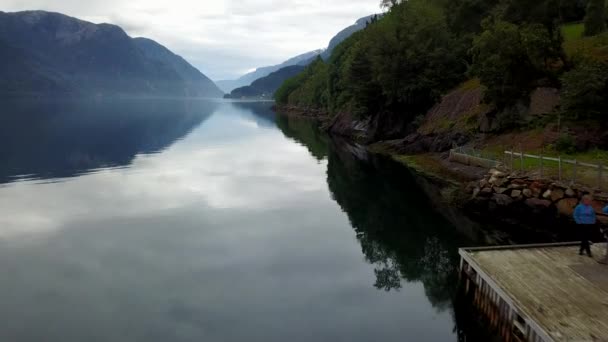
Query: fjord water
(173,220)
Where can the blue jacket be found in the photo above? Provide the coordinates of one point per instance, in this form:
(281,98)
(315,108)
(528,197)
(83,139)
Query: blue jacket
(584,214)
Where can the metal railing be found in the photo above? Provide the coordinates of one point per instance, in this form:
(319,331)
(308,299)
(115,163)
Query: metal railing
(545,167)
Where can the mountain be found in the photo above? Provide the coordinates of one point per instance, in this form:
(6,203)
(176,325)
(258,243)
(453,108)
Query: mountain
(266,86)
(347,32)
(51,53)
(303,59)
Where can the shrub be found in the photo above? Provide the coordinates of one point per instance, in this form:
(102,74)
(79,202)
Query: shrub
(565,144)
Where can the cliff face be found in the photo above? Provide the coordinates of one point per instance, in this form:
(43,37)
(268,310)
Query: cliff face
(54,53)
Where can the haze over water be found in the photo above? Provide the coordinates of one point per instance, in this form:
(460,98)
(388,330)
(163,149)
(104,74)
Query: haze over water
(172,220)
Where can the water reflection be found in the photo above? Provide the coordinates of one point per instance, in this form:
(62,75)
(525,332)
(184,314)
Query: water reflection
(48,139)
(232,233)
(400,231)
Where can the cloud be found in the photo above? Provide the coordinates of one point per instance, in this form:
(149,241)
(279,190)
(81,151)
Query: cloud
(222,38)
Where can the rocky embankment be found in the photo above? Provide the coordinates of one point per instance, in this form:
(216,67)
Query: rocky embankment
(539,203)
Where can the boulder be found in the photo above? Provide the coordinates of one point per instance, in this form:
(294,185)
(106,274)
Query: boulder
(502,200)
(500,190)
(557,194)
(527,193)
(537,203)
(570,193)
(497,174)
(598,206)
(516,193)
(566,206)
(497,181)
(516,186)
(486,192)
(483,183)
(547,194)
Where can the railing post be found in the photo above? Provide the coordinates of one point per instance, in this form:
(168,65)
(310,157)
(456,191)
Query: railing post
(599,176)
(559,162)
(541,164)
(512,166)
(521,157)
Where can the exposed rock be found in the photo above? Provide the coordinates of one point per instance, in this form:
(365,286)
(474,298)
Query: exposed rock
(570,193)
(566,206)
(543,101)
(476,192)
(486,192)
(538,203)
(547,194)
(516,186)
(527,192)
(499,190)
(483,183)
(497,181)
(516,193)
(502,200)
(497,174)
(557,194)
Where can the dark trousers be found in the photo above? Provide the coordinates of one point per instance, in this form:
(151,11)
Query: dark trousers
(585,231)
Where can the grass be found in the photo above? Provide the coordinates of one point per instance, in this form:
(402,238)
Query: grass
(582,175)
(575,45)
(572,31)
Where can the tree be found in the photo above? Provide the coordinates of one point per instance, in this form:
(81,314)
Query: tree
(595,19)
(585,89)
(508,58)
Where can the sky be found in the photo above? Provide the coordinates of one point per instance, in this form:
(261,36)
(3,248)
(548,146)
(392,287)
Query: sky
(222,38)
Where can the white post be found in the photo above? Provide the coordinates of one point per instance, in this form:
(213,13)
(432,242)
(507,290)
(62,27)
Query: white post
(559,162)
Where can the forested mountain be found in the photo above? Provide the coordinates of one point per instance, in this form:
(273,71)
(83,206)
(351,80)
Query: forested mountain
(245,80)
(384,79)
(302,60)
(265,87)
(44,52)
(347,32)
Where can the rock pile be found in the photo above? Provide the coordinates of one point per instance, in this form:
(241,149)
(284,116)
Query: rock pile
(500,189)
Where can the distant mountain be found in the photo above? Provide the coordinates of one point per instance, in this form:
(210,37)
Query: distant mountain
(303,59)
(347,32)
(266,86)
(51,53)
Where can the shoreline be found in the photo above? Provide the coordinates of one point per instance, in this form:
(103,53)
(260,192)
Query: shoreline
(519,218)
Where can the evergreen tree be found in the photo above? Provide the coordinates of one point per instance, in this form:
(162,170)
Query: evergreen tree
(595,19)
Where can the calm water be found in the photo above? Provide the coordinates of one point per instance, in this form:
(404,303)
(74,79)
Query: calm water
(196,221)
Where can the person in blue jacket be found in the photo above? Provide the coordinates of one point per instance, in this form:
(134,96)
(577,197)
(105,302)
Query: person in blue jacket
(584,216)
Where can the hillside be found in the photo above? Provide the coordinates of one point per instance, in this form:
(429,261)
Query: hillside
(44,52)
(245,80)
(265,87)
(431,74)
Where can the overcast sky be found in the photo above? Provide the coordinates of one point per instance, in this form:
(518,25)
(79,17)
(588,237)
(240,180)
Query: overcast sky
(223,38)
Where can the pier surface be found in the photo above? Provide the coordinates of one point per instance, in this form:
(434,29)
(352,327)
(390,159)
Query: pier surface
(559,294)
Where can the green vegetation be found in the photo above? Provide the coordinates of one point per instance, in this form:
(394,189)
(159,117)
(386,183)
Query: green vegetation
(398,67)
(595,19)
(573,31)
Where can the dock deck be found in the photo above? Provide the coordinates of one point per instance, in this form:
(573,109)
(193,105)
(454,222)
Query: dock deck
(546,292)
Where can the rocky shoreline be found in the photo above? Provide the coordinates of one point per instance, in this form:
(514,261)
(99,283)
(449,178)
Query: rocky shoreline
(518,203)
